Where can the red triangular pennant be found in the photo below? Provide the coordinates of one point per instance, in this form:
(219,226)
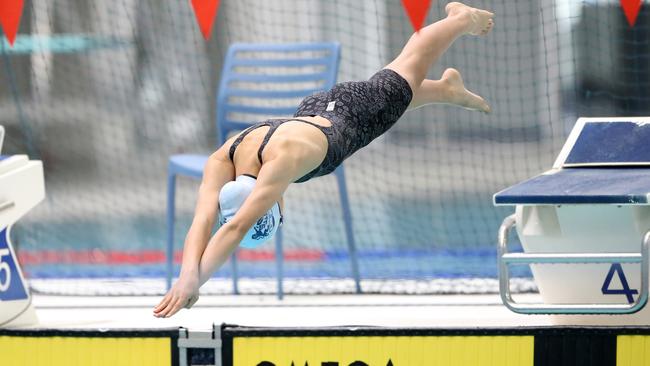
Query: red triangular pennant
(417,11)
(10,11)
(631,9)
(205,12)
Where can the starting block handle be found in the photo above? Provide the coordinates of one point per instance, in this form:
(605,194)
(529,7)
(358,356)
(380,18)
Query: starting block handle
(505,259)
(6,205)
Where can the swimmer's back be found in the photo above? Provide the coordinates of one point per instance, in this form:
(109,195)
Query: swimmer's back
(303,143)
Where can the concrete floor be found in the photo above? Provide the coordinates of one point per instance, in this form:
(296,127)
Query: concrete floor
(66,312)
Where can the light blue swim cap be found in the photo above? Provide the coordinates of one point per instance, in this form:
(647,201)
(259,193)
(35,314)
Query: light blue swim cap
(232,197)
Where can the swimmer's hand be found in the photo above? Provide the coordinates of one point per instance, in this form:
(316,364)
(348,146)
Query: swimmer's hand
(183,294)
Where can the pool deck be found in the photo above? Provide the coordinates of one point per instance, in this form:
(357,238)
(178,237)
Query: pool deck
(120,312)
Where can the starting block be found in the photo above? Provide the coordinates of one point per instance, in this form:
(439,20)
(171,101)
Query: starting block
(21,188)
(584,225)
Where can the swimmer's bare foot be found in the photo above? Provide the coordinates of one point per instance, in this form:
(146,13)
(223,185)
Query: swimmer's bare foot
(479,22)
(458,95)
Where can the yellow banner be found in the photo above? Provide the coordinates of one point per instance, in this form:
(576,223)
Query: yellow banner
(384,351)
(67,351)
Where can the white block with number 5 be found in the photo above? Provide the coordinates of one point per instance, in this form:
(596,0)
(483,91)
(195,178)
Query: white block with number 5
(21,188)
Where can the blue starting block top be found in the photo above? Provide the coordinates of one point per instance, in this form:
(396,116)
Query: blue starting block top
(604,161)
(621,186)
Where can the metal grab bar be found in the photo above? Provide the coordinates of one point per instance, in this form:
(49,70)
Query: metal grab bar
(522,258)
(505,259)
(6,205)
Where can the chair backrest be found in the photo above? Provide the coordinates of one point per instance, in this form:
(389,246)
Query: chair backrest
(261,81)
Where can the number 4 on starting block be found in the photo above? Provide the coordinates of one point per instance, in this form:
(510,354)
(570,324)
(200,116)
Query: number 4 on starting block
(616,268)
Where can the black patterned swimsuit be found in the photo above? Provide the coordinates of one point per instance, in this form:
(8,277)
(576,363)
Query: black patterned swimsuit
(360,111)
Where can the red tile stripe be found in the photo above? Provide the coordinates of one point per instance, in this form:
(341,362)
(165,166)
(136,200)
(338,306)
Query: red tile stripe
(96,256)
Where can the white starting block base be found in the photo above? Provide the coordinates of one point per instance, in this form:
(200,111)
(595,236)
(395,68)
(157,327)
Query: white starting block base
(24,313)
(584,226)
(21,188)
(586,229)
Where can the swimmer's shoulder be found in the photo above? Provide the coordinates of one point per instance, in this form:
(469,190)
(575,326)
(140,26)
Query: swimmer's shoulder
(223,152)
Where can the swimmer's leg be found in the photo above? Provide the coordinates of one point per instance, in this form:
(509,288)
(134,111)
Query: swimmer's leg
(450,89)
(425,47)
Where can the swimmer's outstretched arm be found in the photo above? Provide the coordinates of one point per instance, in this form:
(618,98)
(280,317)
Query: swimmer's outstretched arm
(217,172)
(274,178)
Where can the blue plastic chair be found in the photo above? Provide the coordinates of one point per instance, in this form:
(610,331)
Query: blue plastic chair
(240,60)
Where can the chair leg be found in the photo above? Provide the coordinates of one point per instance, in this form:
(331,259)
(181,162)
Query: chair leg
(171,203)
(235,273)
(347,220)
(279,262)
